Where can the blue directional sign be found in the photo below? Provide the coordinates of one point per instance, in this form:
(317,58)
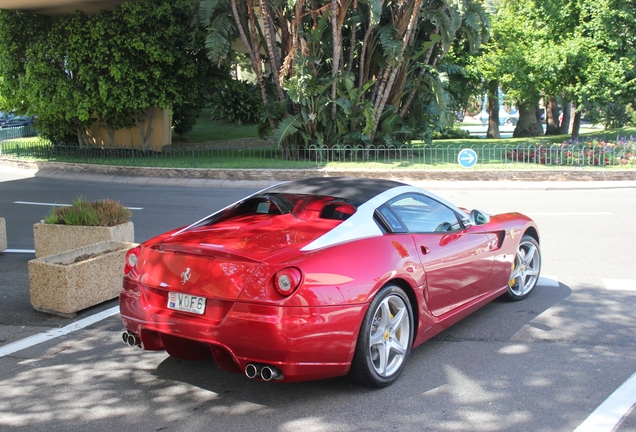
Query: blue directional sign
(467,158)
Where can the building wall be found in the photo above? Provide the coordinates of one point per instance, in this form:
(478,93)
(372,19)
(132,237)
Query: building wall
(160,136)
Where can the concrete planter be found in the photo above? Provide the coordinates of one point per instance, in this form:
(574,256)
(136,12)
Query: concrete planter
(52,239)
(3,234)
(69,282)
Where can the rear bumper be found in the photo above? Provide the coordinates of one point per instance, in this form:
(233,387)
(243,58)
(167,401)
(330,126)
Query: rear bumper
(305,343)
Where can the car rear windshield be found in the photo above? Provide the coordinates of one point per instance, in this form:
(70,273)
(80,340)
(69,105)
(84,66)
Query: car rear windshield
(303,207)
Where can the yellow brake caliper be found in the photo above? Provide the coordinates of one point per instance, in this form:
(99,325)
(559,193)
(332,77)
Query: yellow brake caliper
(511,282)
(386,333)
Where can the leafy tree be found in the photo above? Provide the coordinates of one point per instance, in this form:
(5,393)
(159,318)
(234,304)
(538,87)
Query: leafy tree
(114,66)
(609,28)
(512,59)
(348,71)
(581,51)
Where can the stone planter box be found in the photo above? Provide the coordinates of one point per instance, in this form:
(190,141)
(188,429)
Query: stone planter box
(51,239)
(69,282)
(3,234)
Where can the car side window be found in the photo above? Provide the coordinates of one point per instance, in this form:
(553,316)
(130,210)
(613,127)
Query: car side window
(421,214)
(388,220)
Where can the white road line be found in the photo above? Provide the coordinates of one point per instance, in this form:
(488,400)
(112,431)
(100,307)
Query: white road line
(61,205)
(548,281)
(610,413)
(620,284)
(24,251)
(54,333)
(570,214)
(42,204)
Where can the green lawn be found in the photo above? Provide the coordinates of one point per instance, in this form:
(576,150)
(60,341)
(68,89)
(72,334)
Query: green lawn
(206,130)
(441,154)
(213,131)
(586,135)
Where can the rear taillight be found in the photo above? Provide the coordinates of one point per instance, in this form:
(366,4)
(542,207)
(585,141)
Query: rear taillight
(132,256)
(287,280)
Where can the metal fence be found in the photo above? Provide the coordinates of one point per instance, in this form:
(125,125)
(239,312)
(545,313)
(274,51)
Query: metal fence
(16,132)
(621,153)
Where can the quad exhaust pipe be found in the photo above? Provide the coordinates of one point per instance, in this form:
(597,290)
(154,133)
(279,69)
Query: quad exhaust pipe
(262,371)
(252,370)
(130,339)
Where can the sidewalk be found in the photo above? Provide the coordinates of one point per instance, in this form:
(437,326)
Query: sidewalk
(541,179)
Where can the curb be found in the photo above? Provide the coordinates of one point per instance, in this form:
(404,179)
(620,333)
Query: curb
(270,175)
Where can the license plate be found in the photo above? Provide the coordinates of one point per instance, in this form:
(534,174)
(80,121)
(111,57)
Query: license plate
(186,303)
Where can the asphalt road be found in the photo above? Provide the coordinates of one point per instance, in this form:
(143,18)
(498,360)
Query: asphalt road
(543,364)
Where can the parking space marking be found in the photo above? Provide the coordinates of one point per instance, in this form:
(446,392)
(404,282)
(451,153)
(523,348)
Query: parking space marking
(570,214)
(61,205)
(548,281)
(620,284)
(42,204)
(611,412)
(55,333)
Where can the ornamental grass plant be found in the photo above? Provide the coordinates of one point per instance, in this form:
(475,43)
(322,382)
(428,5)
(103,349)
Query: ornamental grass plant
(106,213)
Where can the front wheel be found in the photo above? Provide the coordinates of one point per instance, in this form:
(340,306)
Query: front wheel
(385,339)
(525,269)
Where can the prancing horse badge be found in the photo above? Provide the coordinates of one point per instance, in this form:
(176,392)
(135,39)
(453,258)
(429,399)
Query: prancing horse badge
(185,276)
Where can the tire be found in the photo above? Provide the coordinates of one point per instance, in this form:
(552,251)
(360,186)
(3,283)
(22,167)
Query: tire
(385,339)
(525,271)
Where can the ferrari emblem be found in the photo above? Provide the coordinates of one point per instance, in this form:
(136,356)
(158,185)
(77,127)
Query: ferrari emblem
(512,234)
(185,276)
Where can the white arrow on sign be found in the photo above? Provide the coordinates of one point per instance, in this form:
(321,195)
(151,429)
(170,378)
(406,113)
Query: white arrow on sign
(468,158)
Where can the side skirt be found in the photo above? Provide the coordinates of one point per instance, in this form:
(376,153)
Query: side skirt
(431,326)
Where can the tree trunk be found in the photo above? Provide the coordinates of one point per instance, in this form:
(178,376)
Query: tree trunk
(364,71)
(551,116)
(274,58)
(111,135)
(407,104)
(527,126)
(575,123)
(383,95)
(363,52)
(144,130)
(253,51)
(337,48)
(538,113)
(352,40)
(493,110)
(564,126)
(82,138)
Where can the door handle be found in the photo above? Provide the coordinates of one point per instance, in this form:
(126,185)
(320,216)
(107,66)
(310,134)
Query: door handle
(424,250)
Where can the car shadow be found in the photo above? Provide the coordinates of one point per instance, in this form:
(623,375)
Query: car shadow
(501,368)
(498,321)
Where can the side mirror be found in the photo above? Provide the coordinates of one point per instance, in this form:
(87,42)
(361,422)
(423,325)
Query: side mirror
(479,217)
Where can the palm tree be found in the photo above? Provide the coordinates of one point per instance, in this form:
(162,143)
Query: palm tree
(369,62)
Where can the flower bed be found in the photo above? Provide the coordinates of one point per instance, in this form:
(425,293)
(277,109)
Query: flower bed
(591,153)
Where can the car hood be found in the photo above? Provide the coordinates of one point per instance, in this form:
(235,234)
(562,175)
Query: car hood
(216,261)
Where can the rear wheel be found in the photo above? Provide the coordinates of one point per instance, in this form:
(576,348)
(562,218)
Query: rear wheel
(525,269)
(385,339)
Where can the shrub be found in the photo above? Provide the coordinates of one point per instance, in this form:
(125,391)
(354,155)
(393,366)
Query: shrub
(237,102)
(451,133)
(106,212)
(184,117)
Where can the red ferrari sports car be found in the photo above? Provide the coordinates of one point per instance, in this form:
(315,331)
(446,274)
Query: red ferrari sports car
(323,277)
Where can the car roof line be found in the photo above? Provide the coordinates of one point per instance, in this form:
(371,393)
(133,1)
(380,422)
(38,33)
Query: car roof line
(361,225)
(210,216)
